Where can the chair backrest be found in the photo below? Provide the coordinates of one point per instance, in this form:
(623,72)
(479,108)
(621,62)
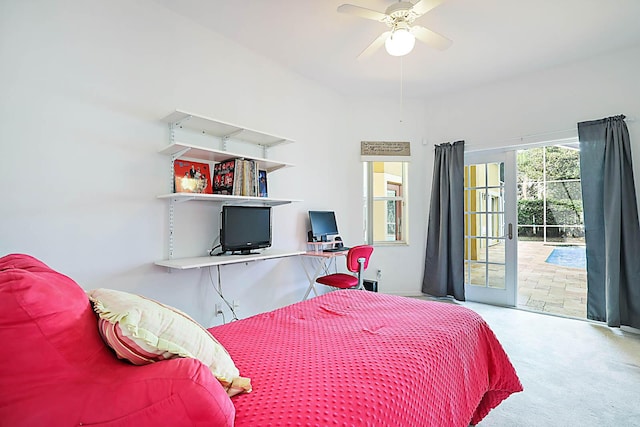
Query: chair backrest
(356,252)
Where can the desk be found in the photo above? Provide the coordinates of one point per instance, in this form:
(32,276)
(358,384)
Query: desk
(208,261)
(322,261)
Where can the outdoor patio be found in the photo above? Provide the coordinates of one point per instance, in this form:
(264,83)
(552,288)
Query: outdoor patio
(548,287)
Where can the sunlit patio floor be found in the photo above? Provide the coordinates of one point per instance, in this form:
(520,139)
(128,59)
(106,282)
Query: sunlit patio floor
(548,287)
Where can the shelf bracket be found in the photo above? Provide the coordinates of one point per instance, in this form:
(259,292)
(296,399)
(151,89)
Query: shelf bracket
(179,122)
(182,199)
(227,137)
(179,154)
(265,147)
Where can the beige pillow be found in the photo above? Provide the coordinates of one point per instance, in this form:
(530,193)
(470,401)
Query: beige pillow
(144,331)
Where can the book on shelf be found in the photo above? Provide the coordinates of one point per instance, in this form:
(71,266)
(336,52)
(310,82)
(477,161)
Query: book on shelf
(223,174)
(262,184)
(238,177)
(191,177)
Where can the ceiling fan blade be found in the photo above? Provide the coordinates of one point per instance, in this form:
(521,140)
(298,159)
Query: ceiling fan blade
(431,38)
(377,43)
(362,12)
(424,6)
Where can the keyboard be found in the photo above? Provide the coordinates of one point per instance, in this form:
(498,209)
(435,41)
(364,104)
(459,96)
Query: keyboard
(342,249)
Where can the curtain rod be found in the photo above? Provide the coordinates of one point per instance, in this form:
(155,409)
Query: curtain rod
(571,135)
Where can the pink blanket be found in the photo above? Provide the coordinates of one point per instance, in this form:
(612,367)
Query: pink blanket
(357,358)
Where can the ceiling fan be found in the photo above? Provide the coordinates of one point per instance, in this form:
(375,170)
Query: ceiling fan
(399,17)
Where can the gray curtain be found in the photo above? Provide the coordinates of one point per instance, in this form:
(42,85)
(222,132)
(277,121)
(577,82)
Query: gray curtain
(611,222)
(444,261)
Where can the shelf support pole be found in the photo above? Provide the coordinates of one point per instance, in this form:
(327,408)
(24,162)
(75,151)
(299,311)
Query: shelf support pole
(172,139)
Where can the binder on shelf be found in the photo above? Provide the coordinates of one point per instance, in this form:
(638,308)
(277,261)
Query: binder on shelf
(191,177)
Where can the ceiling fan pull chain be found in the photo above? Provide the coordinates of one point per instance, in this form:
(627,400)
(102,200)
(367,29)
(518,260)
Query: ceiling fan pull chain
(401,89)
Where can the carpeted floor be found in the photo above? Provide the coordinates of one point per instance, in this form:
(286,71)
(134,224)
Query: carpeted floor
(574,373)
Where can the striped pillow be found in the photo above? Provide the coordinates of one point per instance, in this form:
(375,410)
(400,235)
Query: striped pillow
(144,331)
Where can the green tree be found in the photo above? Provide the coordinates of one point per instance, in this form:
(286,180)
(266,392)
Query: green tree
(561,162)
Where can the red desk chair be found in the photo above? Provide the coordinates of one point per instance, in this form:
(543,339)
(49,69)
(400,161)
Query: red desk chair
(357,262)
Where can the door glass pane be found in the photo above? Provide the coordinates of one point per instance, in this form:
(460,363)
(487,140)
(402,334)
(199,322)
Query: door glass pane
(485,225)
(496,252)
(482,225)
(478,275)
(530,162)
(530,232)
(564,203)
(496,276)
(496,200)
(467,225)
(474,249)
(473,224)
(562,163)
(478,176)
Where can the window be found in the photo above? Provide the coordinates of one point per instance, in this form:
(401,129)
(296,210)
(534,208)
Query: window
(385,202)
(550,194)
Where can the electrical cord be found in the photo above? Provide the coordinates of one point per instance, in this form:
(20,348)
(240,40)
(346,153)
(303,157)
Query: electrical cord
(219,292)
(215,245)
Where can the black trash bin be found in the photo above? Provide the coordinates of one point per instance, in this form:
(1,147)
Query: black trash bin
(370,285)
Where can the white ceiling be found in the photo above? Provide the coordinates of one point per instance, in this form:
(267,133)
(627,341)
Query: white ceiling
(492,39)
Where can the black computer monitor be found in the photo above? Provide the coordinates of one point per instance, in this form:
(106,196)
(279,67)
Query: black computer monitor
(245,228)
(323,224)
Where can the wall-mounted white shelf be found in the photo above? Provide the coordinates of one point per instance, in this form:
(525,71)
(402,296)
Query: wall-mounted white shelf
(236,200)
(195,152)
(185,150)
(210,261)
(220,129)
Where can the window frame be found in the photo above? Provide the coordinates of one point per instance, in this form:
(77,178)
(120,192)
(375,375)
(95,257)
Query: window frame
(369,199)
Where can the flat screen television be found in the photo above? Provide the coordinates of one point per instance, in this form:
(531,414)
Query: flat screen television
(323,224)
(245,228)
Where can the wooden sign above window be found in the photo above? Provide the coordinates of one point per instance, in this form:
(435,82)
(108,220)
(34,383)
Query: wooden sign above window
(385,148)
(399,151)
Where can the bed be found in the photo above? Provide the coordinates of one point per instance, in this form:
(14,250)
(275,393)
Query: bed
(347,358)
(357,358)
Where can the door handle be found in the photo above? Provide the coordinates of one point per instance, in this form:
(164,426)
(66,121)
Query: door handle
(510,231)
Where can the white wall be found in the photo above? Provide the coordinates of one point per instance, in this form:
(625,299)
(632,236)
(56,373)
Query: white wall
(85,84)
(548,101)
(374,119)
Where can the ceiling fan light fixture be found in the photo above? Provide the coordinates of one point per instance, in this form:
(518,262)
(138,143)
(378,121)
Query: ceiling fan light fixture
(400,42)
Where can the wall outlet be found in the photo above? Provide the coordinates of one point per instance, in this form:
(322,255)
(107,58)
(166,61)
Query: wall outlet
(235,303)
(218,309)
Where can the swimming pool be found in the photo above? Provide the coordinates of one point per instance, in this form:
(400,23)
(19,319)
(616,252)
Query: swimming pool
(568,256)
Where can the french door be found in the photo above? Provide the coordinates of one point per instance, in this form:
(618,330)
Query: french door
(490,227)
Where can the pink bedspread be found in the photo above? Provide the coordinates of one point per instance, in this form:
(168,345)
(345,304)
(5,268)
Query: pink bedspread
(357,358)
